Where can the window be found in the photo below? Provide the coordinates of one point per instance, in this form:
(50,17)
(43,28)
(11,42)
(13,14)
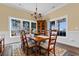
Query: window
(33,27)
(52,26)
(26,26)
(61,25)
(15,26)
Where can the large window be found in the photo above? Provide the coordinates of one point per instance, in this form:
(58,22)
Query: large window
(52,26)
(61,25)
(15,26)
(33,27)
(26,26)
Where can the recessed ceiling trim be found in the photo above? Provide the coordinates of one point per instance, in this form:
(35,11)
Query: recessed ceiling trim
(45,12)
(52,10)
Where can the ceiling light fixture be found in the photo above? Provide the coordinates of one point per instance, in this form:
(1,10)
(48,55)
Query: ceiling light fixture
(36,15)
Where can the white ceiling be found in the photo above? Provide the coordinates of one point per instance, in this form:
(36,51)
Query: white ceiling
(43,8)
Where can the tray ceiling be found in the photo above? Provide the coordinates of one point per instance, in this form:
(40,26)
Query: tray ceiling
(43,8)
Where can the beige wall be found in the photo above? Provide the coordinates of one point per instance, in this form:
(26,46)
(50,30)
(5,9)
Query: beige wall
(6,12)
(72,10)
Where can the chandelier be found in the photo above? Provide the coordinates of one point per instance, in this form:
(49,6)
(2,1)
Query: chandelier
(36,15)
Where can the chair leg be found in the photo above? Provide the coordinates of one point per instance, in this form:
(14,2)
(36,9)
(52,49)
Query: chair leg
(27,51)
(54,52)
(39,49)
(48,53)
(36,53)
(23,49)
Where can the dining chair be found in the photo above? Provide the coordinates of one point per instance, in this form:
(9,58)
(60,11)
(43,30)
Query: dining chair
(26,43)
(42,32)
(2,46)
(49,46)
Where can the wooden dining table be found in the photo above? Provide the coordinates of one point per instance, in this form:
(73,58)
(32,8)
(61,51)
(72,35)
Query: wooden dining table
(38,39)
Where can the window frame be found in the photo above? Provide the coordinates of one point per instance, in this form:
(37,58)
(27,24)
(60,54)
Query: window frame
(33,22)
(59,18)
(29,24)
(10,18)
(21,24)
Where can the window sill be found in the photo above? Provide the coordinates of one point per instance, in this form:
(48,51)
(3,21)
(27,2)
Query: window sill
(14,36)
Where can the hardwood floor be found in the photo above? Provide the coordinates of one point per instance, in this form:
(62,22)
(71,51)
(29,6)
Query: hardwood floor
(18,52)
(71,50)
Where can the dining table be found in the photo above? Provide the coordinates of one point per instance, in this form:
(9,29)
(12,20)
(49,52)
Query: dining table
(38,39)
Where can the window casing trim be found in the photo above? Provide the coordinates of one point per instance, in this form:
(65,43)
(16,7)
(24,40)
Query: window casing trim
(21,20)
(59,18)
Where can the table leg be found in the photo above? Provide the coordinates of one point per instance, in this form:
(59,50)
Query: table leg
(38,48)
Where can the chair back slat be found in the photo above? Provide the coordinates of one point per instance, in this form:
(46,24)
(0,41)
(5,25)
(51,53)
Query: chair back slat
(52,39)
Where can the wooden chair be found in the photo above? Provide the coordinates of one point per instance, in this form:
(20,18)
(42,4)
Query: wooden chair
(2,46)
(25,43)
(49,46)
(42,33)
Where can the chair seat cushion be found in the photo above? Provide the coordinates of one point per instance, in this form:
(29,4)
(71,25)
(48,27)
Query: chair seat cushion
(30,42)
(45,45)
